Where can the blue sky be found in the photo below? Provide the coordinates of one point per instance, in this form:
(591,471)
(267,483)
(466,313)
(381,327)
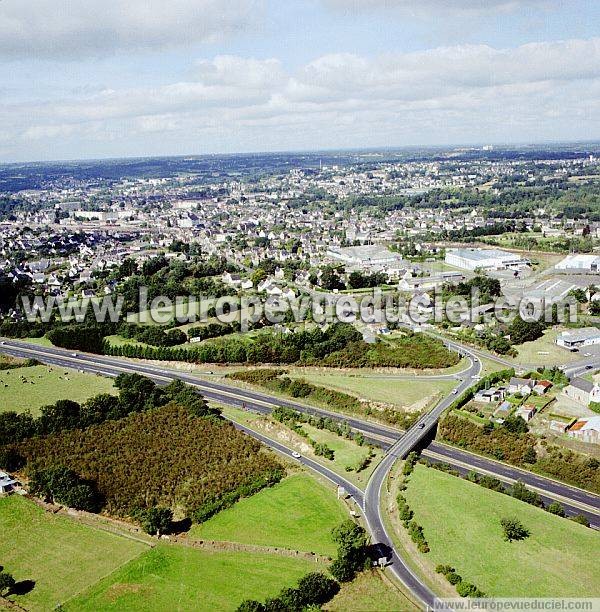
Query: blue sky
(102,78)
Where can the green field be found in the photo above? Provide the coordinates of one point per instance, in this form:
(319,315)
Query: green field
(461,522)
(61,556)
(184,578)
(369,592)
(347,452)
(298,513)
(45,385)
(544,351)
(397,391)
(43,341)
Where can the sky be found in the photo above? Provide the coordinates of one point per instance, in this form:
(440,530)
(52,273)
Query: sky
(108,78)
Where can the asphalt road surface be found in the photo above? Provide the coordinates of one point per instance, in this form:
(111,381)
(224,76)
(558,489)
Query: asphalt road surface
(397,444)
(263,403)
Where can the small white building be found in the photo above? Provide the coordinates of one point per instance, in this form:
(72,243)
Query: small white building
(576,338)
(525,412)
(7,483)
(490,395)
(524,386)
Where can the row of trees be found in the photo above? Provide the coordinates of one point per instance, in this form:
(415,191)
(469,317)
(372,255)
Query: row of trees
(519,448)
(305,346)
(417,351)
(155,335)
(275,380)
(312,591)
(518,490)
(463,588)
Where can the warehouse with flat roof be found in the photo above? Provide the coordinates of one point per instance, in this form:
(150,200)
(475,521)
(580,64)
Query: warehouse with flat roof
(575,338)
(578,261)
(484,259)
(372,254)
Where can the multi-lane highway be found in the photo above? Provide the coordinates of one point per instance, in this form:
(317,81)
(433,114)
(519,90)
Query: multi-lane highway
(397,443)
(351,490)
(382,435)
(374,495)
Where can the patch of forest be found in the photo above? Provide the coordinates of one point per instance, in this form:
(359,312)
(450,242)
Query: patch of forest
(163,457)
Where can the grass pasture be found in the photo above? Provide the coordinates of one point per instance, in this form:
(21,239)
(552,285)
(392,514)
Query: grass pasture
(298,513)
(45,385)
(369,592)
(184,578)
(62,557)
(461,522)
(398,391)
(544,351)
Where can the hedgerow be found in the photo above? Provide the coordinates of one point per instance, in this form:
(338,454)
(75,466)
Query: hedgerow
(517,490)
(312,591)
(464,589)
(498,442)
(275,380)
(340,345)
(417,351)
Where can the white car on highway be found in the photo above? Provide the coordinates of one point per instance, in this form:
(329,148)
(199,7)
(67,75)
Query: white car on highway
(296,455)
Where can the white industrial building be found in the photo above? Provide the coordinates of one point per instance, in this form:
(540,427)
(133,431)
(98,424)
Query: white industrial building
(484,259)
(576,338)
(371,255)
(577,261)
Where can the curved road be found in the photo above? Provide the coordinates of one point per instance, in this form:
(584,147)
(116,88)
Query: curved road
(387,437)
(376,433)
(374,494)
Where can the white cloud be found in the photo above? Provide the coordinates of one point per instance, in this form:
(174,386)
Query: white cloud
(425,7)
(450,94)
(40,29)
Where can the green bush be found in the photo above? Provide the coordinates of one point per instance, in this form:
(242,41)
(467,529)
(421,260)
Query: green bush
(513,529)
(409,464)
(314,589)
(415,532)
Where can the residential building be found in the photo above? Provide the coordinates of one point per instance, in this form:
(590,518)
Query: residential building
(582,391)
(586,430)
(542,386)
(526,412)
(524,386)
